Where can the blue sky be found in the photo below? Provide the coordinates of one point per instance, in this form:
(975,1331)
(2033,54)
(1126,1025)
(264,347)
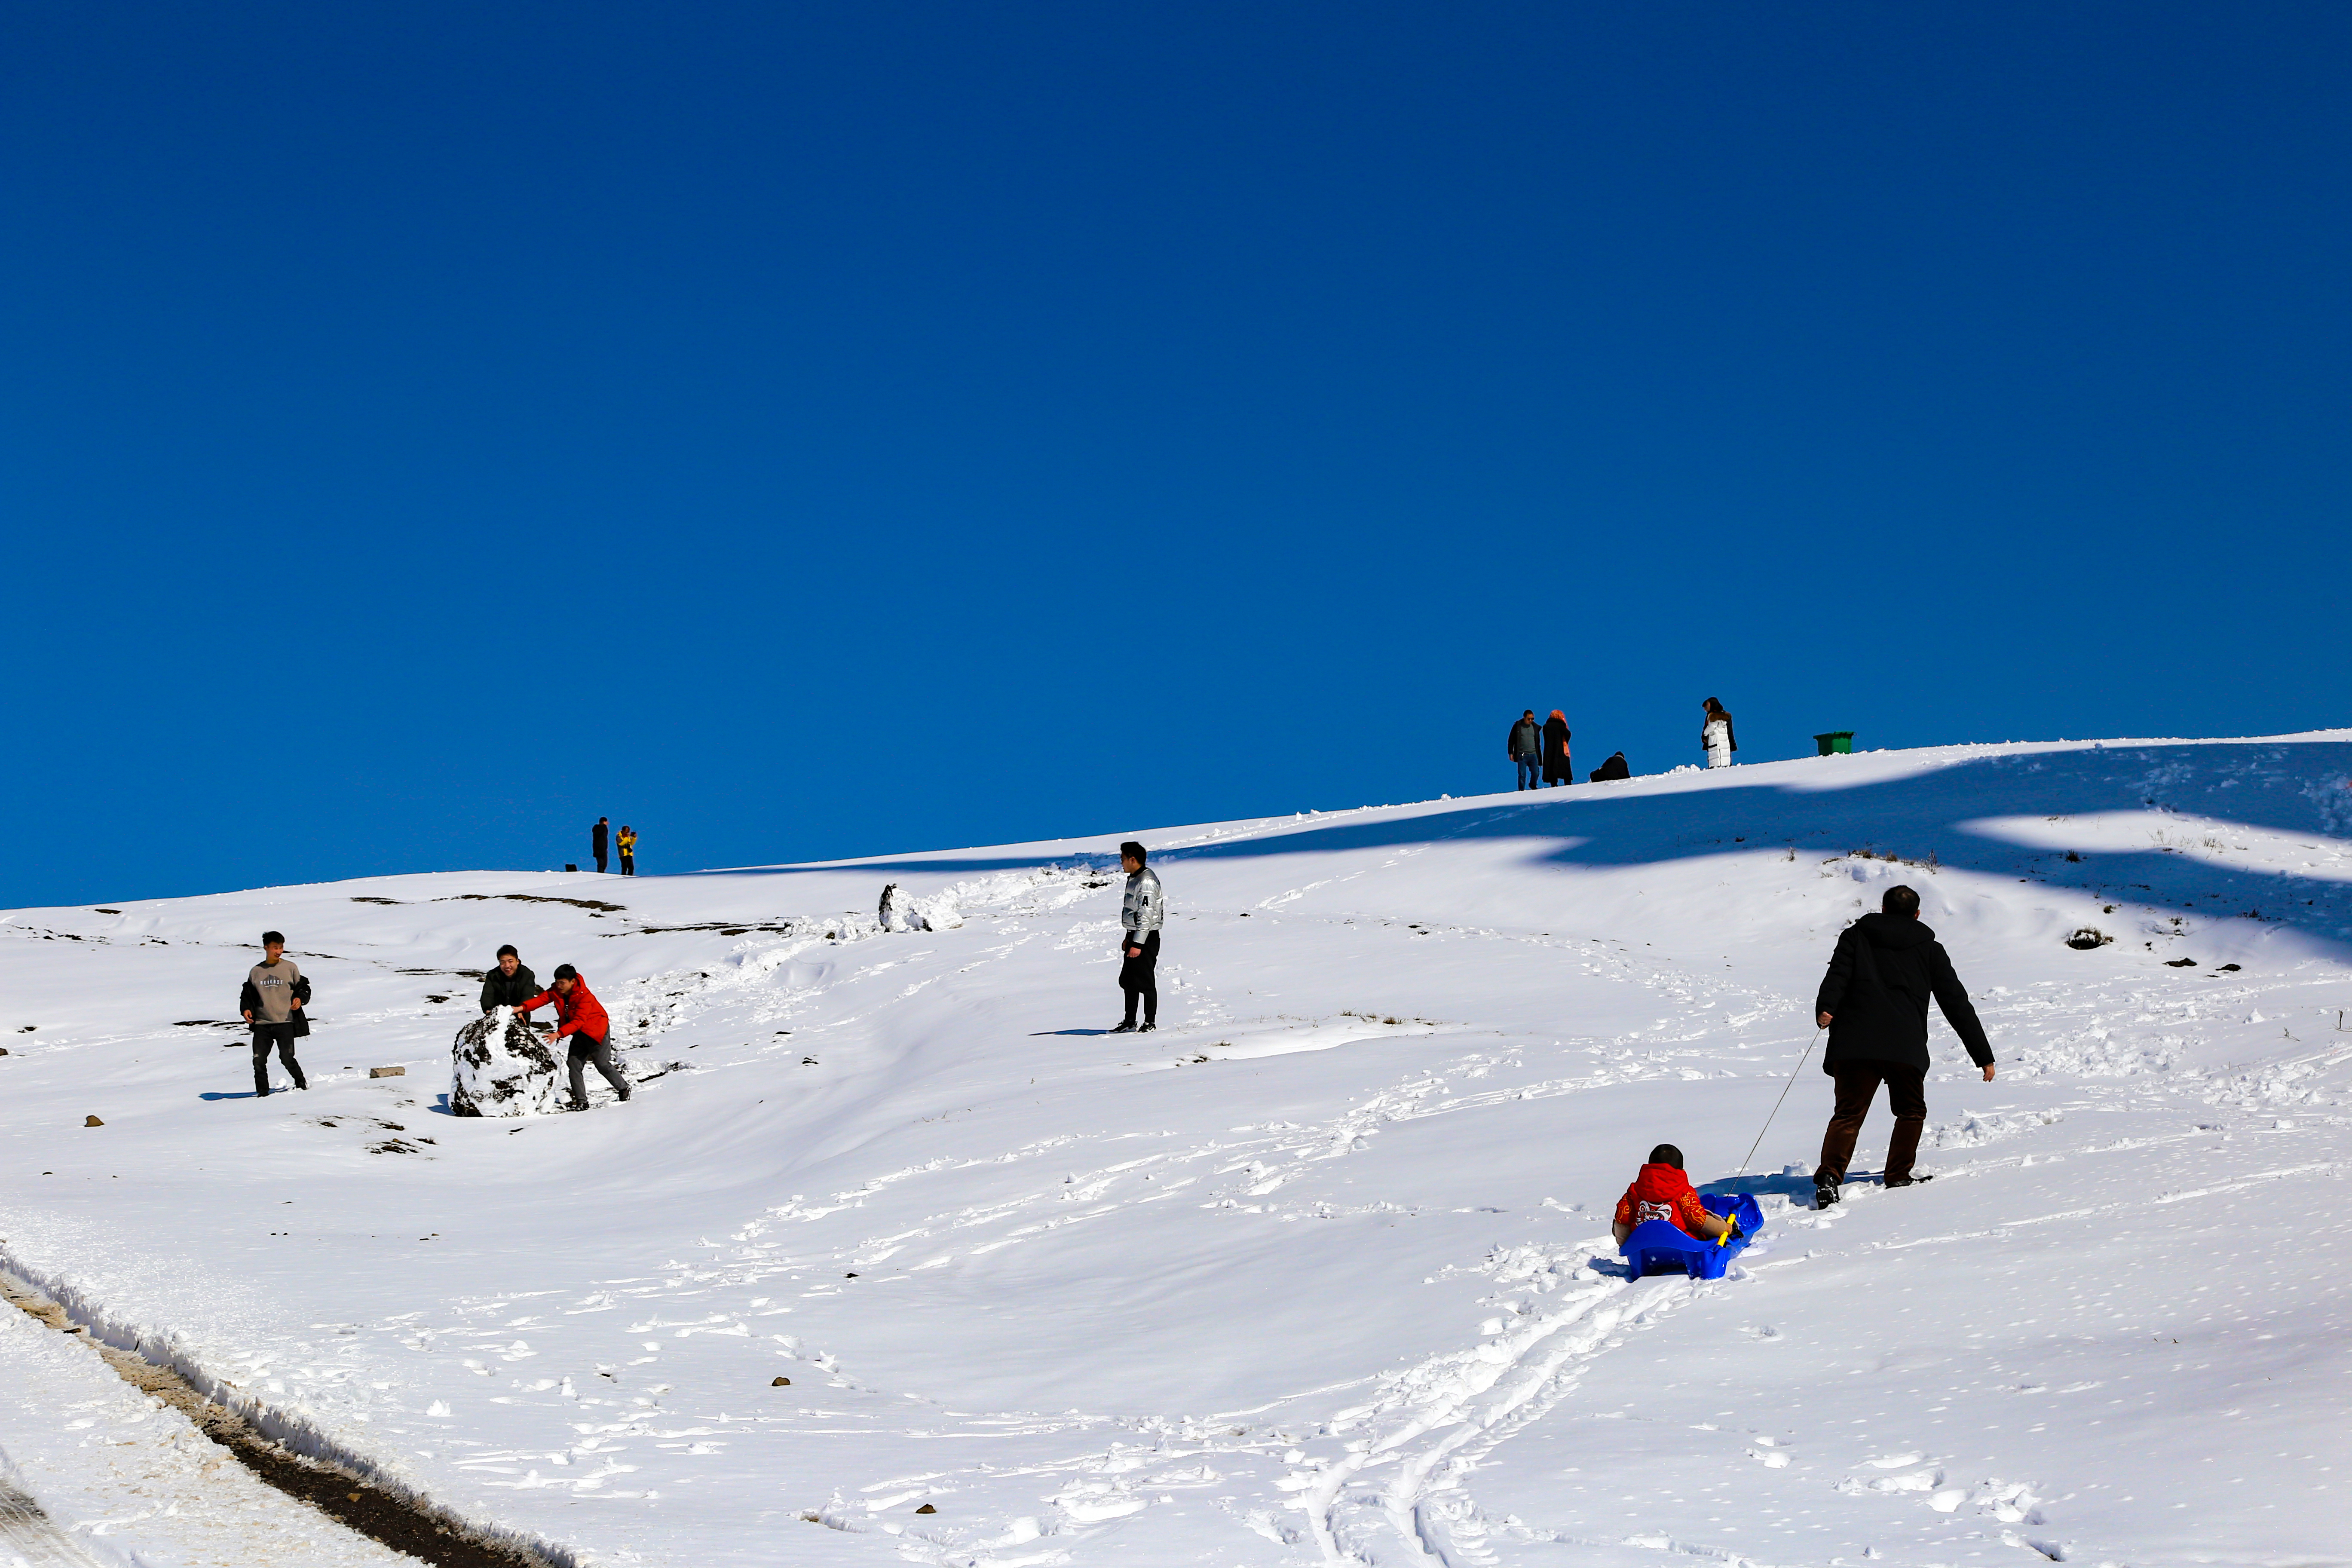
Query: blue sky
(837,429)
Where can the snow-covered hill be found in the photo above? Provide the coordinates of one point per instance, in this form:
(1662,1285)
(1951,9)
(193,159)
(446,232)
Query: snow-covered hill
(1318,1272)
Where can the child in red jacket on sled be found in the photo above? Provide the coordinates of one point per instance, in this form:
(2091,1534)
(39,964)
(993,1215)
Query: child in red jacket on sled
(1663,1191)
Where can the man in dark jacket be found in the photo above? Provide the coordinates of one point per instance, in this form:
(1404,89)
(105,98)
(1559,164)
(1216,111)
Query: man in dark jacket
(1873,1002)
(598,837)
(1525,747)
(510,985)
(1611,770)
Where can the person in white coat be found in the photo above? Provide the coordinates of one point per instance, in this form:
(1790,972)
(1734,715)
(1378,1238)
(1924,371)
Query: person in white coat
(1714,735)
(1142,913)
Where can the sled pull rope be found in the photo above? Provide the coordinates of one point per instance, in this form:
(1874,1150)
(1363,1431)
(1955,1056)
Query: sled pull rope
(1778,1103)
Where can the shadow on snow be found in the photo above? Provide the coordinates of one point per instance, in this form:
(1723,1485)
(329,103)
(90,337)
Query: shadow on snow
(2292,787)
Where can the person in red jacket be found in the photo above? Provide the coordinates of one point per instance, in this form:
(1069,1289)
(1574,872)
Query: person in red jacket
(1663,1191)
(579,1015)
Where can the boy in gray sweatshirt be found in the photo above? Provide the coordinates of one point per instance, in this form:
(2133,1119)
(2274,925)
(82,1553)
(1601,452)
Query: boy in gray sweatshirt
(272,1002)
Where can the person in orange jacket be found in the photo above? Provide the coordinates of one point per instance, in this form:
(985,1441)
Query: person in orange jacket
(579,1015)
(1662,1192)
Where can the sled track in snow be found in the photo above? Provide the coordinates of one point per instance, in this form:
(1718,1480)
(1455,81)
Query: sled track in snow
(351,1498)
(1442,1416)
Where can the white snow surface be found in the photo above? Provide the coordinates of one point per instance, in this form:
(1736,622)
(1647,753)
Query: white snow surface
(1319,1271)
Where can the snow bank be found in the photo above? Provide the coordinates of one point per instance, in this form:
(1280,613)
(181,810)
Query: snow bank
(902,911)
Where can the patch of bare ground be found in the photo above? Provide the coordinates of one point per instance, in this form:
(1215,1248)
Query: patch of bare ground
(343,1495)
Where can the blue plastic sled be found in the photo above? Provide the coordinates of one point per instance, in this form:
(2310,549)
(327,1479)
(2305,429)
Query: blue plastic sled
(1662,1246)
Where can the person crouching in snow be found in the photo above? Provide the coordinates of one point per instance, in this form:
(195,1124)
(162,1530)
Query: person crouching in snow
(1663,1191)
(579,1015)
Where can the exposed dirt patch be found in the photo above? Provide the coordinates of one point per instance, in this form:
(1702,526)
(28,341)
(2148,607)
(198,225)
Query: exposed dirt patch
(597,904)
(344,1496)
(28,1534)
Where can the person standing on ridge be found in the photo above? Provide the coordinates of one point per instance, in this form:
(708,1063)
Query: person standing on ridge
(579,1015)
(596,842)
(1525,747)
(271,1001)
(1556,768)
(1142,911)
(508,985)
(627,844)
(1714,735)
(1873,1002)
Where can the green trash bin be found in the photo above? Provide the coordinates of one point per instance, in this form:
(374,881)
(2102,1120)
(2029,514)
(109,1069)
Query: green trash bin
(1836,740)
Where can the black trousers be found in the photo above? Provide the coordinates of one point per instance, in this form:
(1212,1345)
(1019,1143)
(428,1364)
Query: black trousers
(1138,977)
(628,862)
(282,1036)
(1906,1096)
(600,860)
(585,1049)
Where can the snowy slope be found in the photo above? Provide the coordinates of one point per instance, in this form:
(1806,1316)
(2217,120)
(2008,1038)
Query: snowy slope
(1319,1271)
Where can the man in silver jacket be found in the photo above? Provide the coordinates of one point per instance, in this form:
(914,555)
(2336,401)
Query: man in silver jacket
(1140,911)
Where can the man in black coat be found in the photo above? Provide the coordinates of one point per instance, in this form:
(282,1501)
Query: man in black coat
(1873,1002)
(510,985)
(598,837)
(1557,768)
